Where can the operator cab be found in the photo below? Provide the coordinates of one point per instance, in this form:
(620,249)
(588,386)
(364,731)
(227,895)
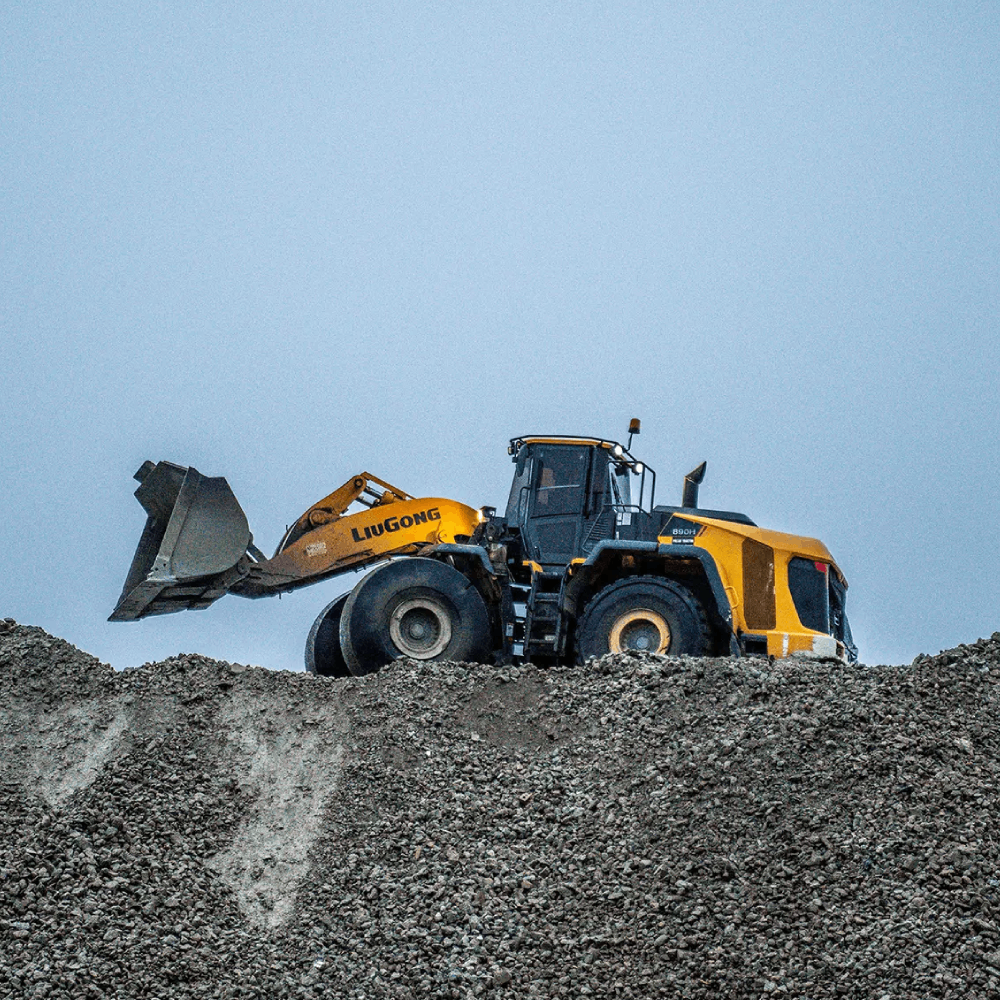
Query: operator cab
(570,493)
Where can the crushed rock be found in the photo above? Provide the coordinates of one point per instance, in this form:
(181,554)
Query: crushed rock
(638,827)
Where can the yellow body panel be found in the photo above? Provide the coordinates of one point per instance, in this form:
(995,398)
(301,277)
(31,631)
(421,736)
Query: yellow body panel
(399,527)
(725,541)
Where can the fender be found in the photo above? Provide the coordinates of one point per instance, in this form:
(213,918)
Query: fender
(584,572)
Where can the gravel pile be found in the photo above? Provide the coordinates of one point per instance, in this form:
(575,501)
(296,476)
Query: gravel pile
(643,827)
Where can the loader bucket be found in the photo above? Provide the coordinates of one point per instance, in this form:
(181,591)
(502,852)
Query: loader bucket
(196,533)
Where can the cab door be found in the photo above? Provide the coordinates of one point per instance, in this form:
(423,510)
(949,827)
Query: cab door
(599,512)
(554,524)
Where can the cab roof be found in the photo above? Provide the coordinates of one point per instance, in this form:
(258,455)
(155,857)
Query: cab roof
(517,443)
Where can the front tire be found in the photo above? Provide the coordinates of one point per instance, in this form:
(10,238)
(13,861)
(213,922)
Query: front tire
(416,608)
(323,655)
(644,614)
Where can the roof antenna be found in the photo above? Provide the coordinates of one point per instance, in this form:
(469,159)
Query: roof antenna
(633,428)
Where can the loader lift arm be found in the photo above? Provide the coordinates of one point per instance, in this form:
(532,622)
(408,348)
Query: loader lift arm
(336,504)
(197,546)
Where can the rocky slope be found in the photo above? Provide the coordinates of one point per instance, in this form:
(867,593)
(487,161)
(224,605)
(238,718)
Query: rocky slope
(642,827)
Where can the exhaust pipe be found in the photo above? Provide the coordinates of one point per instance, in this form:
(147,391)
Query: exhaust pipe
(691,483)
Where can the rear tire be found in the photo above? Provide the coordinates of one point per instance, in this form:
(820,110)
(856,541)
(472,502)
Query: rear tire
(323,654)
(644,614)
(416,608)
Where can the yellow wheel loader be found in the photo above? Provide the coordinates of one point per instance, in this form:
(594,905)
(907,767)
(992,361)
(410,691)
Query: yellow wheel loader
(582,563)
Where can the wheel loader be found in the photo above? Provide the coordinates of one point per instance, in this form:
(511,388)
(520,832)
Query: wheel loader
(581,563)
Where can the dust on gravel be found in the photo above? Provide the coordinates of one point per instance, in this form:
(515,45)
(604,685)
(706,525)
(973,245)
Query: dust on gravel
(639,827)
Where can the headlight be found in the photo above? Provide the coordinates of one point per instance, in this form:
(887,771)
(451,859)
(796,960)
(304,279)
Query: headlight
(618,451)
(637,468)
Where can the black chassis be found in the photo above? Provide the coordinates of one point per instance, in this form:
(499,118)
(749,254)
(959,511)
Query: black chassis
(493,560)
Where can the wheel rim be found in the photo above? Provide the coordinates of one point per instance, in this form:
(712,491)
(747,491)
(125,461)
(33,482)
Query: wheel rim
(640,630)
(420,628)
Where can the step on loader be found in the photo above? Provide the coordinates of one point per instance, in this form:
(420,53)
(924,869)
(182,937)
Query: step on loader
(581,563)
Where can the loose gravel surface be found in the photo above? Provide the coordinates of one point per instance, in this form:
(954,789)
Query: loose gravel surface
(640,827)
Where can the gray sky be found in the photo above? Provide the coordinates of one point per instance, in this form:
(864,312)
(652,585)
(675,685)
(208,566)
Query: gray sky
(287,243)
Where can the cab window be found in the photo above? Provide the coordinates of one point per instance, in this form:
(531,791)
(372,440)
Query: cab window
(517,502)
(562,476)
